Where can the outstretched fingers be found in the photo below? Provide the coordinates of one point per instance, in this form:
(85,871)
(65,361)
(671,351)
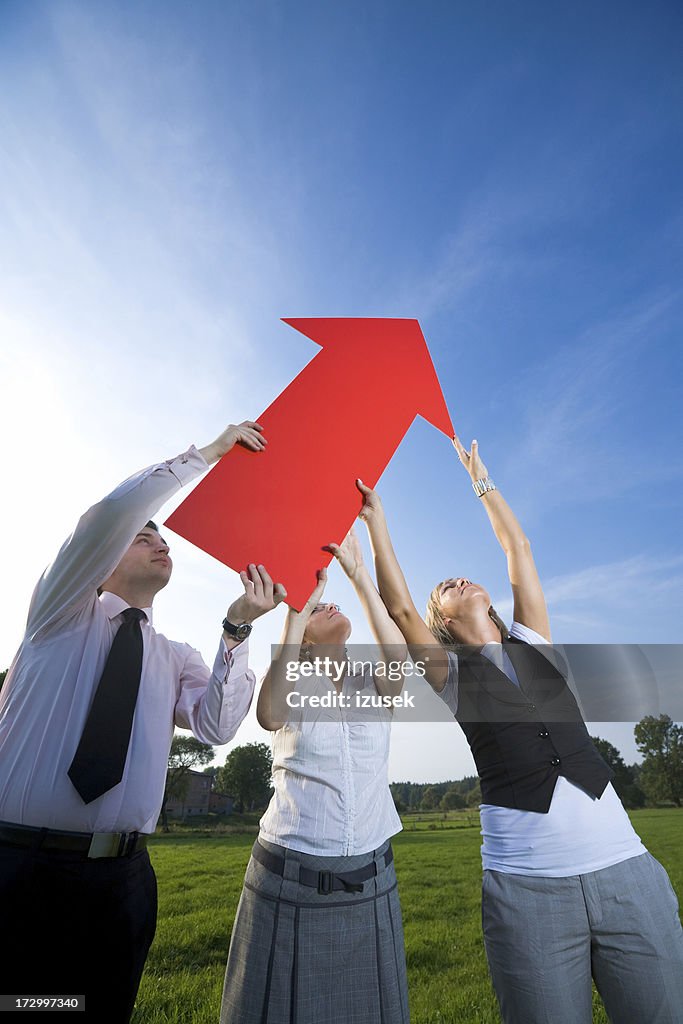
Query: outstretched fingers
(461,450)
(314,599)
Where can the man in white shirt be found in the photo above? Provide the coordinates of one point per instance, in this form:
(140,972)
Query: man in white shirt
(87,715)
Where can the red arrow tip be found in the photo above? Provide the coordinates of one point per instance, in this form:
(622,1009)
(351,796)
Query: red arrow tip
(396,346)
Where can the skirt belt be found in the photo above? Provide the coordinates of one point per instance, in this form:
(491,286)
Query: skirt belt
(325,881)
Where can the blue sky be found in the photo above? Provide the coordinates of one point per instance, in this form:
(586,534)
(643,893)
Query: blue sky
(176,178)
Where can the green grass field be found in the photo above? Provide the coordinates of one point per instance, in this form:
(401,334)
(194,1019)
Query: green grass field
(439,871)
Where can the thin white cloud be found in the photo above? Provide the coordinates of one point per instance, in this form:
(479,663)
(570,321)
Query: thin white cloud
(598,600)
(578,389)
(624,582)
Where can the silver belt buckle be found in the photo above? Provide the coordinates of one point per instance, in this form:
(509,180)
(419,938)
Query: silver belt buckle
(105,844)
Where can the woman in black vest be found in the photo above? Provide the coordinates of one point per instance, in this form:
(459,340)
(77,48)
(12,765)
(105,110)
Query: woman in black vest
(569,891)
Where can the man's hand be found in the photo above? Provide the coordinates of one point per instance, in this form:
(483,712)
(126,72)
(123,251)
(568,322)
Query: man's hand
(248,434)
(349,554)
(260,596)
(372,506)
(471,460)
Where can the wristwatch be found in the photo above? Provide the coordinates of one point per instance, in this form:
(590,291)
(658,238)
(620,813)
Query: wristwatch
(240,632)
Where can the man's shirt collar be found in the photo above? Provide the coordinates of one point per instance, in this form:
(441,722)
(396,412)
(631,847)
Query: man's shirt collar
(114,605)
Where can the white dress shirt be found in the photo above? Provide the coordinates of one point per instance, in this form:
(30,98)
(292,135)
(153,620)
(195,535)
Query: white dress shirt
(579,834)
(330,776)
(51,684)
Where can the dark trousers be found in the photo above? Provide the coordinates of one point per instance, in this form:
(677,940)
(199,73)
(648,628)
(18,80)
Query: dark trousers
(73,926)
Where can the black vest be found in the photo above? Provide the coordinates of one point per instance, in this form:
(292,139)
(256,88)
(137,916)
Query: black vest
(523,737)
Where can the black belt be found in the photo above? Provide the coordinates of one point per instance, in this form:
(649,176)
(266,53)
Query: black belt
(92,844)
(324,881)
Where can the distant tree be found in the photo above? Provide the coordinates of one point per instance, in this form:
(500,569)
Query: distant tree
(2,677)
(474,796)
(399,805)
(404,794)
(414,798)
(185,754)
(412,794)
(398,790)
(660,741)
(431,798)
(245,776)
(452,800)
(628,790)
(469,783)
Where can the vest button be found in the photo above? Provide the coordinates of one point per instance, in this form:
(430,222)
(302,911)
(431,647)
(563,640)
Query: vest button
(531,707)
(544,734)
(555,761)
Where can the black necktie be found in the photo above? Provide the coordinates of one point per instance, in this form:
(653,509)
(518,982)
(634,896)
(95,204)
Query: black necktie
(101,754)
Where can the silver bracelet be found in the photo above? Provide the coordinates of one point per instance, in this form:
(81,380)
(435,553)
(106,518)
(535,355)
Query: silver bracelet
(482,487)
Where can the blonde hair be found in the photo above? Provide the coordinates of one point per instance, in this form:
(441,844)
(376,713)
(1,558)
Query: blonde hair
(436,623)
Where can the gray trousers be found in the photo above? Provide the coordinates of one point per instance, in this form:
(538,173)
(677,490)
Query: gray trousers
(545,937)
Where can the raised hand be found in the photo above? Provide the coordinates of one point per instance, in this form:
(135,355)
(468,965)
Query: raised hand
(349,553)
(296,620)
(372,506)
(248,434)
(260,596)
(314,599)
(471,459)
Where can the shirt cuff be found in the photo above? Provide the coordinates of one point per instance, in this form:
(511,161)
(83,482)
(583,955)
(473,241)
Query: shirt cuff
(185,467)
(233,662)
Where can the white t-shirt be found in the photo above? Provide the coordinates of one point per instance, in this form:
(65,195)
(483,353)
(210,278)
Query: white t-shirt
(330,776)
(580,833)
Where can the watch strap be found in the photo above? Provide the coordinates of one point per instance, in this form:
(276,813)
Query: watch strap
(237,632)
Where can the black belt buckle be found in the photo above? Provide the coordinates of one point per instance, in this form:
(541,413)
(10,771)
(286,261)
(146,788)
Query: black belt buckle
(325,883)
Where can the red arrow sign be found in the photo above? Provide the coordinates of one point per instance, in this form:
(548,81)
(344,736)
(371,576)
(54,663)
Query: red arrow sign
(341,418)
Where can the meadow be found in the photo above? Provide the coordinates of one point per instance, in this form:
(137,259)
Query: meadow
(439,870)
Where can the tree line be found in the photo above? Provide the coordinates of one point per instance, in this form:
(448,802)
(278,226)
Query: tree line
(657,780)
(246,774)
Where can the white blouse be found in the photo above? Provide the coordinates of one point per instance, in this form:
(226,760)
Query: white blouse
(332,794)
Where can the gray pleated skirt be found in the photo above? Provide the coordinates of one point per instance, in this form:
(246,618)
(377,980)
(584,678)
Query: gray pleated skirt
(300,957)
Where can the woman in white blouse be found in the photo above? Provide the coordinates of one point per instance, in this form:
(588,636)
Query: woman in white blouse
(569,890)
(318,936)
